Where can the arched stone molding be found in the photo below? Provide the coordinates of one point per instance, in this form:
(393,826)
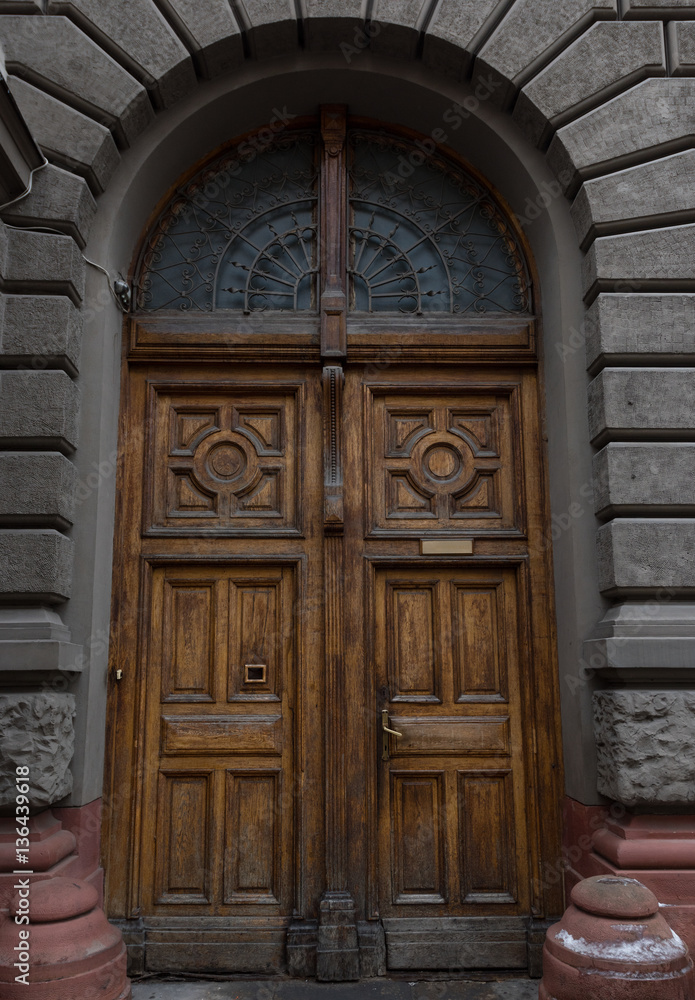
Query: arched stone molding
(595,100)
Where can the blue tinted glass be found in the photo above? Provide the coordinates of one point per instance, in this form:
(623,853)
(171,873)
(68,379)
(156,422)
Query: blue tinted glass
(240,235)
(425,237)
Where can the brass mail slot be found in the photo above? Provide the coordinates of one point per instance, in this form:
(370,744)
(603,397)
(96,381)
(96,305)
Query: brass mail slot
(255,673)
(446,546)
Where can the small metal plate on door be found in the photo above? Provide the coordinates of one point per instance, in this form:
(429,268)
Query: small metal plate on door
(446,546)
(254,673)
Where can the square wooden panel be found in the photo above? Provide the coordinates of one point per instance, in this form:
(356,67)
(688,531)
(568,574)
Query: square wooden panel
(444,459)
(224,460)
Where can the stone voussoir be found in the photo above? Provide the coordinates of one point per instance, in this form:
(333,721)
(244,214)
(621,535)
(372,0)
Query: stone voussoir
(666,9)
(661,192)
(43,263)
(55,54)
(634,403)
(37,489)
(58,199)
(210,32)
(35,565)
(399,23)
(143,42)
(332,25)
(655,555)
(661,259)
(633,328)
(609,57)
(651,119)
(451,36)
(630,476)
(271,25)
(40,331)
(38,410)
(66,136)
(681,36)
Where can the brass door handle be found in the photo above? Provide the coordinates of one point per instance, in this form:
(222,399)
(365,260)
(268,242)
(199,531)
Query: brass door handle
(385,734)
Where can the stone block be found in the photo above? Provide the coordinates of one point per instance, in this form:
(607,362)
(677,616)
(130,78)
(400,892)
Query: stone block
(210,31)
(649,120)
(39,734)
(332,25)
(641,479)
(42,262)
(38,409)
(652,554)
(645,742)
(40,331)
(640,328)
(451,36)
(37,488)
(58,199)
(634,403)
(662,192)
(67,137)
(143,42)
(639,642)
(681,37)
(607,58)
(57,56)
(533,32)
(664,258)
(400,22)
(35,565)
(666,9)
(272,26)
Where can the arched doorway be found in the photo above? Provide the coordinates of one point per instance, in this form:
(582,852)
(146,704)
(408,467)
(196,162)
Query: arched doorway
(338,722)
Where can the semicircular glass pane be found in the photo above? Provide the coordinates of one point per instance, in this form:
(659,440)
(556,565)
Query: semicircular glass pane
(240,234)
(427,237)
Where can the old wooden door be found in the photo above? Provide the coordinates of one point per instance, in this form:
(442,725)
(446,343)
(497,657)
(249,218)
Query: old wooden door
(333,699)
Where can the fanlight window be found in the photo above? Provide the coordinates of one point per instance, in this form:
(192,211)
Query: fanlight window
(423,236)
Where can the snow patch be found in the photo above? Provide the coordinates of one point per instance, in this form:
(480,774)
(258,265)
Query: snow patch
(647,950)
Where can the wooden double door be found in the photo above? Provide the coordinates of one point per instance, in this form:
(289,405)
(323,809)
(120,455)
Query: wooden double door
(311,555)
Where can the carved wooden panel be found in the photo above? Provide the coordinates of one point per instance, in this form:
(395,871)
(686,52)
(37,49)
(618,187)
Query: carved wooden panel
(418,838)
(228,734)
(225,460)
(487,837)
(184,821)
(444,460)
(450,735)
(255,610)
(252,842)
(189,632)
(480,647)
(413,625)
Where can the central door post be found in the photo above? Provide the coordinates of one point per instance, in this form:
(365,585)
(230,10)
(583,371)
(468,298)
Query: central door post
(337,957)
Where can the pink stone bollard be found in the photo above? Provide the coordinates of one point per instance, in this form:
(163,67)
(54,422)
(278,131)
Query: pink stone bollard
(613,944)
(73,951)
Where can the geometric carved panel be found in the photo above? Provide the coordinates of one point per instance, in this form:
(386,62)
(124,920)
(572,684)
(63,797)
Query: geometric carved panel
(443,461)
(225,461)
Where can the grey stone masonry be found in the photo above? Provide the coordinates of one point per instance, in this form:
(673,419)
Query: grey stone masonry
(642,478)
(607,58)
(661,258)
(639,329)
(35,565)
(533,32)
(37,489)
(272,26)
(38,734)
(210,32)
(658,8)
(67,137)
(38,410)
(681,35)
(40,331)
(399,22)
(58,199)
(56,55)
(642,403)
(646,747)
(332,25)
(453,31)
(42,263)
(650,641)
(647,554)
(34,644)
(140,40)
(661,192)
(652,119)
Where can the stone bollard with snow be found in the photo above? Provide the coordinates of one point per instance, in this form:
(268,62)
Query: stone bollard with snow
(613,944)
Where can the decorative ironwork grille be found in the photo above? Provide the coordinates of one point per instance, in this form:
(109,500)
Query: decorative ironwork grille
(241,234)
(426,237)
